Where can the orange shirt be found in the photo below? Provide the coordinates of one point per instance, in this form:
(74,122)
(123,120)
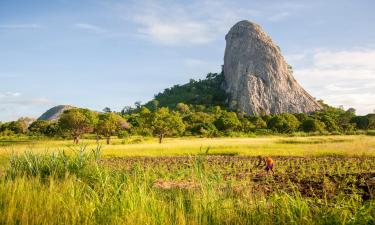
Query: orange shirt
(269,161)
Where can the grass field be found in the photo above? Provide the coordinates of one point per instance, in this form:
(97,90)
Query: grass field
(270,146)
(317,180)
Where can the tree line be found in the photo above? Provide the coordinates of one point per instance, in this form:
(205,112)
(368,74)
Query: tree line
(187,120)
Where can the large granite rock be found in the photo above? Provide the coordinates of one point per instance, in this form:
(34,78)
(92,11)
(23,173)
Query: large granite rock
(54,113)
(257,77)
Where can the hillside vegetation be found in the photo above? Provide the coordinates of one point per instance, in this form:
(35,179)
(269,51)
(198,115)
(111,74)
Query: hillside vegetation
(208,92)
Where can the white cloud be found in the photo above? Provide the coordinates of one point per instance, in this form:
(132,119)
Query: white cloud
(34,101)
(9,94)
(14,98)
(89,27)
(20,26)
(196,22)
(173,32)
(14,94)
(345,77)
(361,59)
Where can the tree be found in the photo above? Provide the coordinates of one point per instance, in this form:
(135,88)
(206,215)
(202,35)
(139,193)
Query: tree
(39,127)
(284,123)
(208,130)
(107,110)
(20,126)
(361,122)
(258,122)
(153,105)
(371,121)
(126,110)
(183,108)
(330,123)
(53,129)
(344,120)
(246,125)
(138,104)
(140,121)
(109,124)
(77,122)
(312,125)
(301,117)
(200,123)
(228,121)
(165,122)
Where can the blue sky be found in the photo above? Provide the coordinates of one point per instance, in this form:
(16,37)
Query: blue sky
(96,53)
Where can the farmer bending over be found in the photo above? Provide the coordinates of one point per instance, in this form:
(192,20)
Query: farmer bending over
(268,162)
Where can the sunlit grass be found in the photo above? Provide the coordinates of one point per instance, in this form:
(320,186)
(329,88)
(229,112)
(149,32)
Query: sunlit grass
(81,189)
(272,146)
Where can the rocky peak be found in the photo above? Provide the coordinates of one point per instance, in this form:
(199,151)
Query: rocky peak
(257,77)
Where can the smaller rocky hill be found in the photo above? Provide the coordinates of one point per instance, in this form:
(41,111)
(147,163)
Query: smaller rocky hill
(54,113)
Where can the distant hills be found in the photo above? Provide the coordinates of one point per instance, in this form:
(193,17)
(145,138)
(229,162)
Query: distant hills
(54,113)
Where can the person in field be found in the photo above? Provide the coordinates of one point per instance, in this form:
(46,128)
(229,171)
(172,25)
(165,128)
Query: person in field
(266,161)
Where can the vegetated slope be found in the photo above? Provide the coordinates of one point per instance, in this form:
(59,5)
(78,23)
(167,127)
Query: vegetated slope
(54,112)
(208,91)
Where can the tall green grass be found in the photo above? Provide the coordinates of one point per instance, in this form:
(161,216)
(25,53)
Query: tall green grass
(78,189)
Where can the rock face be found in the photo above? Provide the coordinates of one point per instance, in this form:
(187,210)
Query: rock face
(257,77)
(54,113)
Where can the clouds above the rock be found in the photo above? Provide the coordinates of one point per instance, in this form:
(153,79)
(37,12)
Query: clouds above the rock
(342,77)
(174,23)
(197,22)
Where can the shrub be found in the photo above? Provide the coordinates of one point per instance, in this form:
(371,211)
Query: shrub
(312,125)
(57,165)
(283,123)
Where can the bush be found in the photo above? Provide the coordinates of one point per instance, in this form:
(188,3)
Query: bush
(312,125)
(228,121)
(284,123)
(123,134)
(299,134)
(336,133)
(264,132)
(57,165)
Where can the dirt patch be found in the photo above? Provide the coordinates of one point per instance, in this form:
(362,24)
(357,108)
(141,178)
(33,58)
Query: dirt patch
(167,185)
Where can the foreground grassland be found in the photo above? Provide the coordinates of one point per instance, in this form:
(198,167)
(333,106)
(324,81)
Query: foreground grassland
(317,180)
